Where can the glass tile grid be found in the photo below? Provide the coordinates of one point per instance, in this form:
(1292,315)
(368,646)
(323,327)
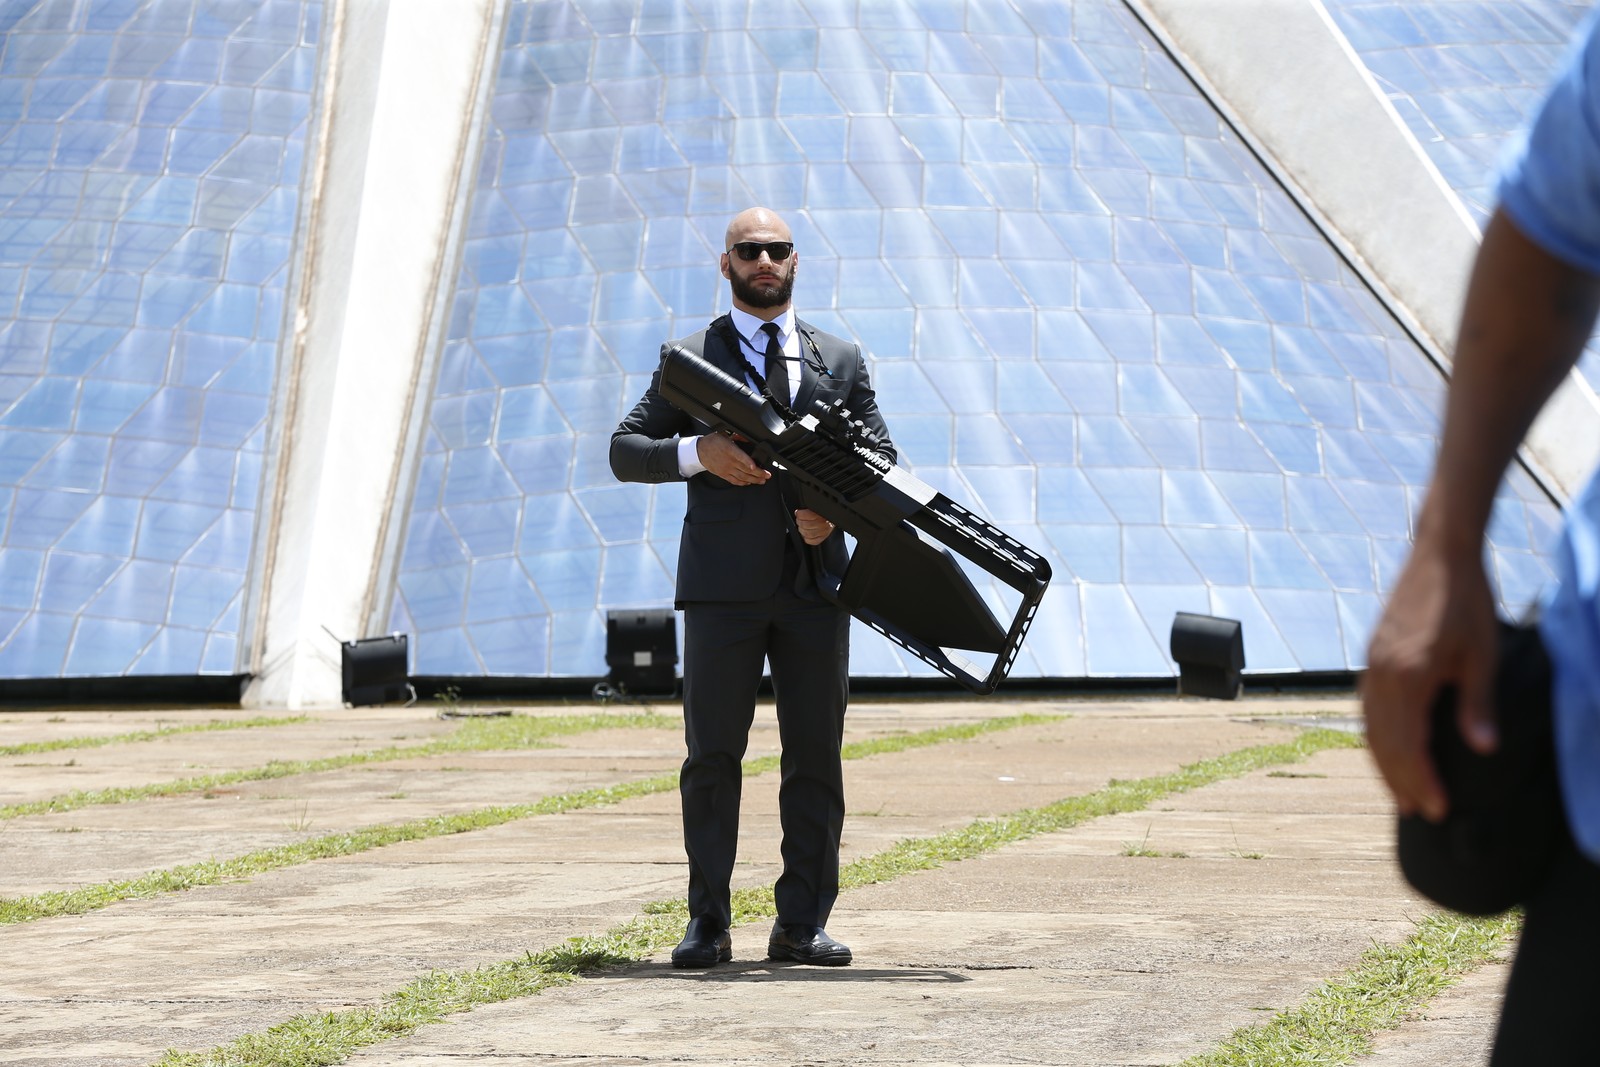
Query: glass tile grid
(150,161)
(1465,75)
(1090,314)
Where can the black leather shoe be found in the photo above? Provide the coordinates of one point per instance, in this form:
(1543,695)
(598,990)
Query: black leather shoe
(704,944)
(806,944)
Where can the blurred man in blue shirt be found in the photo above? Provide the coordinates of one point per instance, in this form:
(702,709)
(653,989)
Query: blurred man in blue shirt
(1529,311)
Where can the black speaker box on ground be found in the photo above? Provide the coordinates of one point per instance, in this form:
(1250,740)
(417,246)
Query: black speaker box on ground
(642,651)
(374,670)
(1210,654)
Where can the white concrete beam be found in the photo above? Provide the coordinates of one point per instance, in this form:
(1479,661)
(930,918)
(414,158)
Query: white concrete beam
(399,117)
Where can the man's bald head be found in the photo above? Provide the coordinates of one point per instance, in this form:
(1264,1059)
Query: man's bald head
(762,286)
(756,224)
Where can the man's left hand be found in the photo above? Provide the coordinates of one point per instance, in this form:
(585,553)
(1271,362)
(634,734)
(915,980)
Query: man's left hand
(814,529)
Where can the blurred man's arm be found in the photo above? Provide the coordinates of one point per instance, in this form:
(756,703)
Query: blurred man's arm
(1526,319)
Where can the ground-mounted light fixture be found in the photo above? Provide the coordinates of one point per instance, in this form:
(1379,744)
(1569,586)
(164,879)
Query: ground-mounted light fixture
(642,651)
(1210,654)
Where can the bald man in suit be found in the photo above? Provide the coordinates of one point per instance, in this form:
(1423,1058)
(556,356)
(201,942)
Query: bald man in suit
(748,561)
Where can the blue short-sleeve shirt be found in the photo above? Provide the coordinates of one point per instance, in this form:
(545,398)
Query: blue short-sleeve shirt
(1550,187)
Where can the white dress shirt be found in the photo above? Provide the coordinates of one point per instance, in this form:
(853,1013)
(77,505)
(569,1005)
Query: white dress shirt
(753,346)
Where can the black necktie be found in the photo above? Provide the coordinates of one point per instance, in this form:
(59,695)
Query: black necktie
(777,371)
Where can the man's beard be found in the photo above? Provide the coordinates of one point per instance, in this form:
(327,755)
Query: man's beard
(770,296)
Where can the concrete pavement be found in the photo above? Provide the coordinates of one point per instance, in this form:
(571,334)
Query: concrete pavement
(1074,947)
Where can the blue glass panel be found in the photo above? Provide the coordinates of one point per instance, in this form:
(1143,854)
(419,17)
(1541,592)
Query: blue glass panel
(1107,442)
(47,405)
(553,519)
(1380,507)
(37,647)
(1347,561)
(1309,622)
(516,646)
(1411,455)
(431,541)
(1175,443)
(200,596)
(616,512)
(1066,496)
(226,546)
(501,590)
(1159,604)
(1221,556)
(168,529)
(1191,499)
(228,418)
(1278,561)
(437,593)
(172,651)
(1151,557)
(984,440)
(1116,640)
(923,440)
(1522,579)
(631,575)
(1092,553)
(1350,455)
(1146,390)
(526,411)
(40,516)
(1358,617)
(965,386)
(20,570)
(1508,525)
(78,464)
(221,655)
(1134,495)
(71,579)
(106,646)
(1330,401)
(477,474)
(567,580)
(1004,495)
(21,451)
(1314,505)
(1294,447)
(1259,499)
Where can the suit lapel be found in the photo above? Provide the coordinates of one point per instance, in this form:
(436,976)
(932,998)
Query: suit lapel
(808,374)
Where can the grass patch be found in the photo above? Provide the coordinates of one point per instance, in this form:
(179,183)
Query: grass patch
(474,735)
(1335,1024)
(318,1040)
(29,748)
(349,843)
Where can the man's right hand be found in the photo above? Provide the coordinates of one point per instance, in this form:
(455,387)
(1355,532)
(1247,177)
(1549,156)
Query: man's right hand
(721,456)
(1438,630)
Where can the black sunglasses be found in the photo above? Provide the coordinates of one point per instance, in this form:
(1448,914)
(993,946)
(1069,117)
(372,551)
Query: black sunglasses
(750,251)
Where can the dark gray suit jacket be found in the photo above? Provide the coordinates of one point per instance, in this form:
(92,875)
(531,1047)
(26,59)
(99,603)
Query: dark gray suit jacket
(732,543)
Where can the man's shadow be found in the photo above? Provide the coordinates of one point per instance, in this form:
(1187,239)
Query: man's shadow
(769,971)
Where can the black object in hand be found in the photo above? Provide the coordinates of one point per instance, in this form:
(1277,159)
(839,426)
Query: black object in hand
(1505,824)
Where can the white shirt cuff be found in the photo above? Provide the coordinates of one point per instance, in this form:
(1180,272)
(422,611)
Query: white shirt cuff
(689,457)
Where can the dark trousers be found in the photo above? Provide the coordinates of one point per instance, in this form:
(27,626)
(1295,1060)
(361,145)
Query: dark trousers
(806,644)
(1555,979)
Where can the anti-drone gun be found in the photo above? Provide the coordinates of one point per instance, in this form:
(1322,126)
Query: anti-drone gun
(902,579)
